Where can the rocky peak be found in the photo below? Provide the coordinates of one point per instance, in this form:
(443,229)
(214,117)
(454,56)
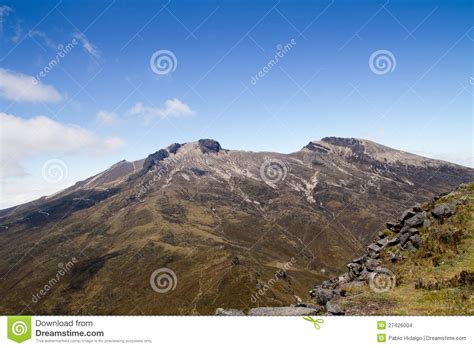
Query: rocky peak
(152,159)
(209,146)
(356,145)
(173,148)
(317,147)
(326,144)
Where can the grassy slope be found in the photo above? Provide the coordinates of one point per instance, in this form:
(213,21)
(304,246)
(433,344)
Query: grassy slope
(428,279)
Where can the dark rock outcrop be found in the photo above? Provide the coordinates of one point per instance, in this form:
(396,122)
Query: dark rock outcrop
(154,158)
(321,296)
(404,234)
(173,148)
(209,146)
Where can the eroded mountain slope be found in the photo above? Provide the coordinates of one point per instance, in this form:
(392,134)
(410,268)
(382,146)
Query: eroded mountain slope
(224,221)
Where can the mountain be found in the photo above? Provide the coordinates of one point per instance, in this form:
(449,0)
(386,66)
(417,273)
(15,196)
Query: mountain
(232,229)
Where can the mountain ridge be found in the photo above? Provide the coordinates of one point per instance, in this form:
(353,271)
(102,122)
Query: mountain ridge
(223,220)
(315,145)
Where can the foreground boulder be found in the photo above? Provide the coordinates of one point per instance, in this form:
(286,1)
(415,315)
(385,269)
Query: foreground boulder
(334,309)
(321,296)
(283,311)
(229,312)
(442,211)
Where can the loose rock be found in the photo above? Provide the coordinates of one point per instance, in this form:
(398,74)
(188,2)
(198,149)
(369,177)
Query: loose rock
(229,312)
(321,296)
(442,211)
(334,309)
(393,241)
(394,226)
(372,264)
(374,247)
(282,311)
(416,221)
(416,241)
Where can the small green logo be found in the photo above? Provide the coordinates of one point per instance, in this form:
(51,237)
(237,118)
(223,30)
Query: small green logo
(316,322)
(381,338)
(19,328)
(381,325)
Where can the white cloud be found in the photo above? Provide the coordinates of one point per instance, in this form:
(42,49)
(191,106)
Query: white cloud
(171,108)
(19,191)
(22,138)
(106,117)
(87,45)
(4,12)
(47,41)
(18,31)
(25,88)
(464,158)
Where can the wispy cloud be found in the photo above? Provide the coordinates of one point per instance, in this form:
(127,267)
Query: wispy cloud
(171,108)
(24,88)
(87,45)
(18,32)
(45,39)
(4,12)
(107,117)
(23,138)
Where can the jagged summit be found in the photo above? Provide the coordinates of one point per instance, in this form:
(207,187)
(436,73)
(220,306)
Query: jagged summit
(209,146)
(202,146)
(368,151)
(173,148)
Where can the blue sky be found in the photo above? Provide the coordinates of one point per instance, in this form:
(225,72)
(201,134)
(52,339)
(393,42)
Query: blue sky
(102,102)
